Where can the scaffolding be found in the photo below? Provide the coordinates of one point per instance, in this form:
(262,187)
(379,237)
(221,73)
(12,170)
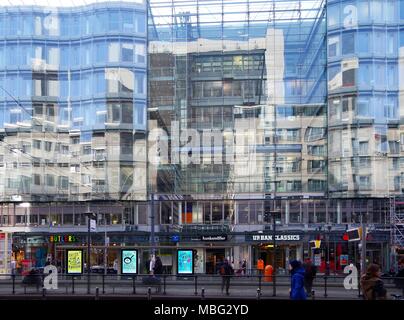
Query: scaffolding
(397,227)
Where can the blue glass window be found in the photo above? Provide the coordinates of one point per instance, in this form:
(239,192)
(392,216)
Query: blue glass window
(114,21)
(391,11)
(140,22)
(140,82)
(392,79)
(99,82)
(363,11)
(402,9)
(333,15)
(64,55)
(140,115)
(380,75)
(100,52)
(391,43)
(376,9)
(348,43)
(379,41)
(363,42)
(365,75)
(127,21)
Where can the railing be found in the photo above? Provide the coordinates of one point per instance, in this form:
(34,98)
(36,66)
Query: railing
(189,286)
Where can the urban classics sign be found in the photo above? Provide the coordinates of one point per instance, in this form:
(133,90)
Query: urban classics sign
(214,238)
(278,237)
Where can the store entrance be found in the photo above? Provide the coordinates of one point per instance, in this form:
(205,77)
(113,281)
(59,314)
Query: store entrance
(267,253)
(214,257)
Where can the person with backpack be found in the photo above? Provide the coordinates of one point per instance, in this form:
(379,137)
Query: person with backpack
(372,285)
(309,275)
(226,271)
(297,291)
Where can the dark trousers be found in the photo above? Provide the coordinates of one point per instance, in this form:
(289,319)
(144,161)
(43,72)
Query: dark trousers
(308,285)
(226,283)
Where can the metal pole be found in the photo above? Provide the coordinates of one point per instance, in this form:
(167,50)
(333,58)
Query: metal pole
(88,254)
(363,253)
(152,224)
(274,267)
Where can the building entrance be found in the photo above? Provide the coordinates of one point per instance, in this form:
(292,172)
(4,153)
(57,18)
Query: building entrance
(214,257)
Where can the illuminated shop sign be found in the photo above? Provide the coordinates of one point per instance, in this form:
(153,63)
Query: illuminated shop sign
(278,237)
(62,238)
(214,238)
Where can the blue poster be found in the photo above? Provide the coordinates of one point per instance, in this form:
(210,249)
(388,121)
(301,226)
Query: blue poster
(185,262)
(129,261)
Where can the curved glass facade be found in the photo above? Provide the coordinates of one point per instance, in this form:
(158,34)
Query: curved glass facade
(364,92)
(73,102)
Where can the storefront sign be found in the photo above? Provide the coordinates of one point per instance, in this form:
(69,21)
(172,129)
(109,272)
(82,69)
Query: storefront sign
(62,239)
(185,262)
(214,238)
(278,237)
(74,261)
(129,261)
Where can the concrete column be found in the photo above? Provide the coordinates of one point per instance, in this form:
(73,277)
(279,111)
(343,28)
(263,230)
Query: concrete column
(339,212)
(287,212)
(299,252)
(287,257)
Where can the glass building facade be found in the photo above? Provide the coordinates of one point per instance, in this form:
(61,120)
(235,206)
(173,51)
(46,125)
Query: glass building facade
(196,118)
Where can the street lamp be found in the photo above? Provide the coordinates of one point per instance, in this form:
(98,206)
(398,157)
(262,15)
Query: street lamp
(90,216)
(328,250)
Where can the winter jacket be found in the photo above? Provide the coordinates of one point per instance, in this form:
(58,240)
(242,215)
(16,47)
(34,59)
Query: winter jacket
(373,288)
(297,291)
(399,278)
(158,267)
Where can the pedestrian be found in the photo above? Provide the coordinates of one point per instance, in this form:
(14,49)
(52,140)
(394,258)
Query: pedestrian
(297,291)
(372,285)
(399,276)
(244,267)
(309,275)
(157,271)
(152,261)
(226,271)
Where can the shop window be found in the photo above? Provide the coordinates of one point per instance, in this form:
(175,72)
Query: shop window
(142,215)
(207,213)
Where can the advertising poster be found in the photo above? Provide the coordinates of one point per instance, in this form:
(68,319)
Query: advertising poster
(185,262)
(129,261)
(343,259)
(74,261)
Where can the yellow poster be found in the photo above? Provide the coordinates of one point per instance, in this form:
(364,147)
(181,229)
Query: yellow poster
(74,261)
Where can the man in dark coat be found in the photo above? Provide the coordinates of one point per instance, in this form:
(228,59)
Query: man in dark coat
(226,271)
(309,275)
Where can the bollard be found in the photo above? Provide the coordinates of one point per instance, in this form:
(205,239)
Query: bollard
(103,283)
(97,293)
(43,293)
(313,295)
(134,285)
(259,281)
(258,294)
(149,293)
(164,284)
(203,293)
(73,285)
(325,287)
(13,277)
(196,285)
